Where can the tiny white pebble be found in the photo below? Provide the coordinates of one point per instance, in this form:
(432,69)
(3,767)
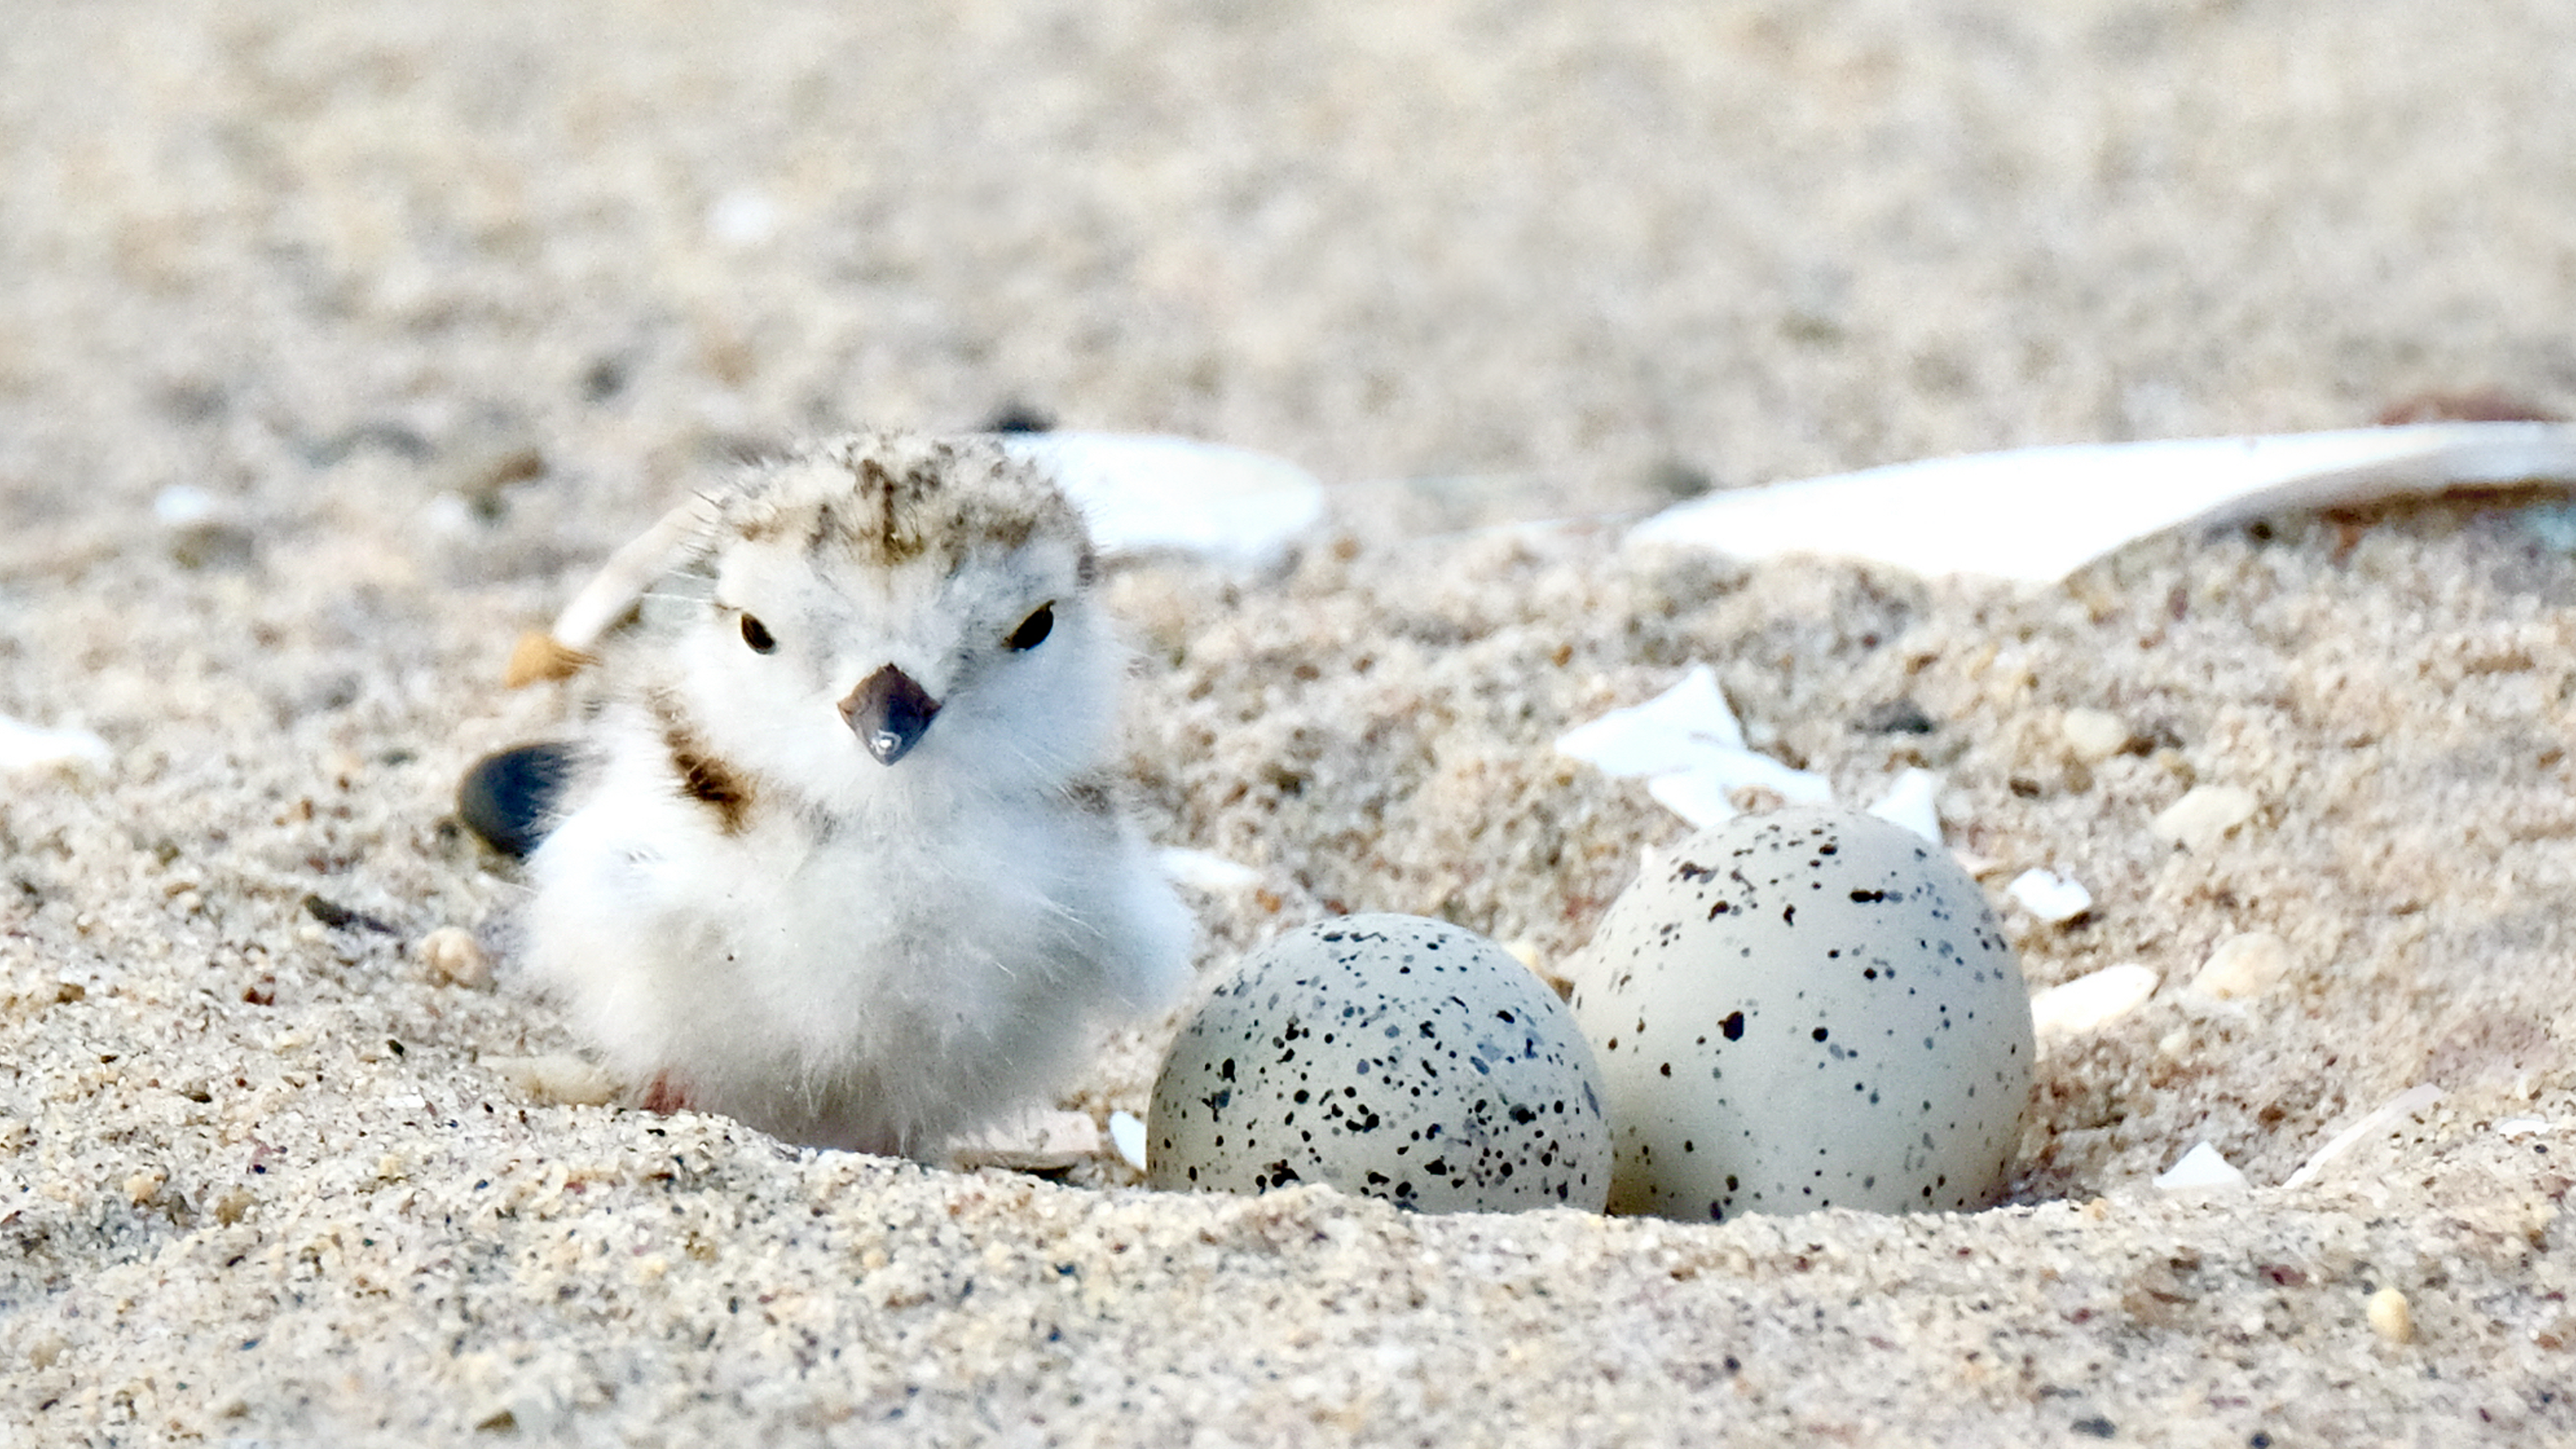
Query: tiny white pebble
(2202,1170)
(743,217)
(2050,896)
(2204,816)
(2093,735)
(2091,1002)
(2391,1317)
(2242,966)
(1202,871)
(181,506)
(2521,1126)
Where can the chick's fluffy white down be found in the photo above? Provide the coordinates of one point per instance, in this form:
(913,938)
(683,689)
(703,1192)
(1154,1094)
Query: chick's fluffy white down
(843,857)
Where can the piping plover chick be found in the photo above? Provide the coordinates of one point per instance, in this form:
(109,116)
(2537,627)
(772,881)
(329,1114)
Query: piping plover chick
(842,854)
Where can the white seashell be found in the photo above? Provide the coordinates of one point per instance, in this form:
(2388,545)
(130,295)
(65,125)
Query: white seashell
(33,747)
(1127,1134)
(1913,801)
(2092,1001)
(1688,744)
(2049,896)
(1674,731)
(2202,1170)
(1145,491)
(2038,514)
(2414,1099)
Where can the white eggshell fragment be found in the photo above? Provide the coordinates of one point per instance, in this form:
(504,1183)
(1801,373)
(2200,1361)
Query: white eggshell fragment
(1806,1009)
(1394,1056)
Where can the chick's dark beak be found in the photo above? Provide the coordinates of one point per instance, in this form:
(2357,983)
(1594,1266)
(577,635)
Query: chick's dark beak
(888,712)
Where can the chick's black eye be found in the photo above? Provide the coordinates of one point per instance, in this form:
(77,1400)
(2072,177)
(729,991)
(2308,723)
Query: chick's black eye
(1033,629)
(757,635)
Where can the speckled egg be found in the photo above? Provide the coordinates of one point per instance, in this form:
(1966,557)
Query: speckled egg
(1806,1009)
(1389,1055)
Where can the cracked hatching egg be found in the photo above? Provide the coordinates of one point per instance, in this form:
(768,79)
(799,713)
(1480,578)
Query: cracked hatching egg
(1395,1056)
(1806,1009)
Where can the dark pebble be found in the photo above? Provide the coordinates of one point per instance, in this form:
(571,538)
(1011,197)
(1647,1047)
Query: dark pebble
(1896,717)
(343,918)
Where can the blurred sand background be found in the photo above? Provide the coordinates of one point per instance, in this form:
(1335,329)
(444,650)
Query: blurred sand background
(435,306)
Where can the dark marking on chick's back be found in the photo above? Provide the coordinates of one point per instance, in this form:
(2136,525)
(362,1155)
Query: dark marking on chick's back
(704,778)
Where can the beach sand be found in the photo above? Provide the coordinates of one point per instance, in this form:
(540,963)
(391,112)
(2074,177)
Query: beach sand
(338,346)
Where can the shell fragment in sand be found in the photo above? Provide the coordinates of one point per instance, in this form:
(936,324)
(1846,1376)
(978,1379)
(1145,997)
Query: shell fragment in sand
(2202,1170)
(33,747)
(1144,491)
(2049,896)
(1127,1134)
(2092,1001)
(1688,745)
(2039,514)
(2405,1104)
(1913,801)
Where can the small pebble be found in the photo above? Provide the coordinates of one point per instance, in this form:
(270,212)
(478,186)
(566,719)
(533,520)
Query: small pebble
(2089,1003)
(2245,965)
(2390,1316)
(2204,816)
(452,957)
(142,1187)
(2049,896)
(2202,1170)
(2093,735)
(1895,717)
